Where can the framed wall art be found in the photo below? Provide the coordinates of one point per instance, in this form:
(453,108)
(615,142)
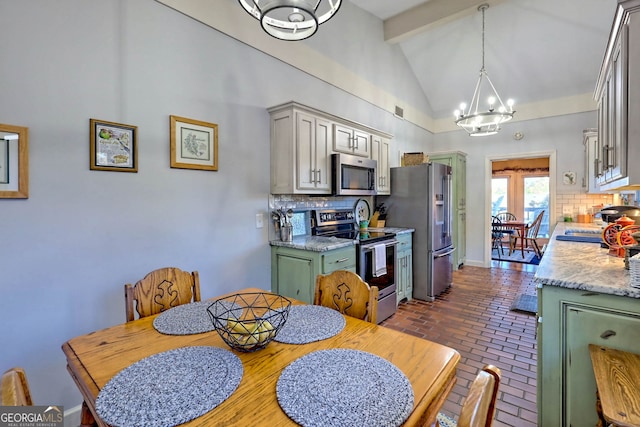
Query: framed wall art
(569,178)
(14,162)
(194,144)
(114,146)
(4,158)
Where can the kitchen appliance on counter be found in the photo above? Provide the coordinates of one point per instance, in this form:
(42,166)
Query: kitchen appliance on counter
(421,199)
(613,213)
(353,175)
(375,253)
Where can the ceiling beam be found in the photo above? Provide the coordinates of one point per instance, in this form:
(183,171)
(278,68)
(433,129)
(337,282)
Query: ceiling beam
(429,15)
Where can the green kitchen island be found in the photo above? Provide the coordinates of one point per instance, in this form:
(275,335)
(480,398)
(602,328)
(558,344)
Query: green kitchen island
(584,297)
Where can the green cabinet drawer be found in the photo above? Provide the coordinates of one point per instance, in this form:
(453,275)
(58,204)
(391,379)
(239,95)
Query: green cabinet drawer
(339,259)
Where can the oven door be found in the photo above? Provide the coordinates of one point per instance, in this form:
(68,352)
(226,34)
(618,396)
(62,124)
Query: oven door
(386,282)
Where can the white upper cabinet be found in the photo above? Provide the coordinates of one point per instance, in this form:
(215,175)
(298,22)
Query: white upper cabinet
(618,97)
(300,153)
(380,152)
(591,160)
(302,141)
(350,141)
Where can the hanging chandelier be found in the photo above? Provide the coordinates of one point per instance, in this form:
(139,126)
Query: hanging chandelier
(476,121)
(291,19)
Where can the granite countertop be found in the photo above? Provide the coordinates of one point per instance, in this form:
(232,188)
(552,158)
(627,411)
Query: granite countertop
(394,230)
(321,244)
(582,265)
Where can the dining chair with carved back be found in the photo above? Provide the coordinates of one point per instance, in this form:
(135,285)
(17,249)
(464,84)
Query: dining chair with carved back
(346,292)
(15,388)
(479,406)
(530,235)
(161,290)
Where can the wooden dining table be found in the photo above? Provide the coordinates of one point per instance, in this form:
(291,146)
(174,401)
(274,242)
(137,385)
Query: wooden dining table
(513,225)
(93,359)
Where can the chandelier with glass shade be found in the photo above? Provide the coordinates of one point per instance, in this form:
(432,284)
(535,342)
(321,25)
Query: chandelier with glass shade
(291,19)
(474,120)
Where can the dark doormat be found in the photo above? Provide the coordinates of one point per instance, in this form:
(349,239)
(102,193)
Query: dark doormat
(525,304)
(516,256)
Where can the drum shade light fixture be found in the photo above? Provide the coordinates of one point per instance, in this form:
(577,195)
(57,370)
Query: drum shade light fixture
(291,19)
(479,122)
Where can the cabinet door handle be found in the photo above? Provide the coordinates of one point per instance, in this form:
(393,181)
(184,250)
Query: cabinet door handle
(319,178)
(312,175)
(342,260)
(606,334)
(609,156)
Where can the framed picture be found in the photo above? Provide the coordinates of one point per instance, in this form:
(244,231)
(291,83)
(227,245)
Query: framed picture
(14,162)
(194,144)
(569,178)
(114,146)
(4,160)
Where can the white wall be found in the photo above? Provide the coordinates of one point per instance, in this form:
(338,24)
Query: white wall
(561,135)
(67,250)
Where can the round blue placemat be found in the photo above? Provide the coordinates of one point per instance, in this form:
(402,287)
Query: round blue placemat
(170,388)
(185,319)
(344,387)
(309,323)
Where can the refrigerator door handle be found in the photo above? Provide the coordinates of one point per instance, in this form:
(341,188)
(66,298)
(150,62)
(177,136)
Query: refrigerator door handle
(447,204)
(449,252)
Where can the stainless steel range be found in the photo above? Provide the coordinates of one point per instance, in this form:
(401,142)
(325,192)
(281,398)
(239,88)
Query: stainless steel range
(341,223)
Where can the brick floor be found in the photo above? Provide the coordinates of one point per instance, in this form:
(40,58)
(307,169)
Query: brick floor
(474,317)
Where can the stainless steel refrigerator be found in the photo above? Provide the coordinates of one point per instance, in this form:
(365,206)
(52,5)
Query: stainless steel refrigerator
(421,199)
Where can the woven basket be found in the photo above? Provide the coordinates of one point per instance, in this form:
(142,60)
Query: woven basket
(634,267)
(410,159)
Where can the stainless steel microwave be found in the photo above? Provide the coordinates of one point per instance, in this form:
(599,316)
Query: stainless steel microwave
(353,175)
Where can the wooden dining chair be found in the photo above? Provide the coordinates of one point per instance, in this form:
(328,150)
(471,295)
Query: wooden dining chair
(479,407)
(15,388)
(497,233)
(160,290)
(506,217)
(530,235)
(347,293)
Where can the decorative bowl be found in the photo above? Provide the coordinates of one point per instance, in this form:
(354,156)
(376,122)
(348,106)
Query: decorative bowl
(248,322)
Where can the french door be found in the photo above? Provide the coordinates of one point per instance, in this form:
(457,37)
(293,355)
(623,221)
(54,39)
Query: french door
(523,193)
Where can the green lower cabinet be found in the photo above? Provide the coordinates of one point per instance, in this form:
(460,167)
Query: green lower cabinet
(570,320)
(404,267)
(294,271)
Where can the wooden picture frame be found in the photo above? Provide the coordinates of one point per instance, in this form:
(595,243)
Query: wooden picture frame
(114,146)
(16,162)
(193,144)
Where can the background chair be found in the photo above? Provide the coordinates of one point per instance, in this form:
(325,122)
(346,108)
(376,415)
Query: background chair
(15,388)
(530,236)
(347,293)
(506,217)
(496,235)
(479,406)
(160,290)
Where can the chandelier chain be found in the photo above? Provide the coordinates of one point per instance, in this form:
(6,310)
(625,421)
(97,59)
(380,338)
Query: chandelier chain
(483,8)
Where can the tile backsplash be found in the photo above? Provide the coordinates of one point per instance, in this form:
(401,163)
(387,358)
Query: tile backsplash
(582,203)
(302,205)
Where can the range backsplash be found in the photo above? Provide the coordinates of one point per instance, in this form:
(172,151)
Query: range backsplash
(302,204)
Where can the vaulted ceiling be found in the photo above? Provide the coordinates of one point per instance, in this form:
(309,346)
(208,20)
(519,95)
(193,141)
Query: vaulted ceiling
(538,52)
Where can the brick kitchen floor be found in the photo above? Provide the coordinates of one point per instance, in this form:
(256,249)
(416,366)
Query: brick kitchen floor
(473,317)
